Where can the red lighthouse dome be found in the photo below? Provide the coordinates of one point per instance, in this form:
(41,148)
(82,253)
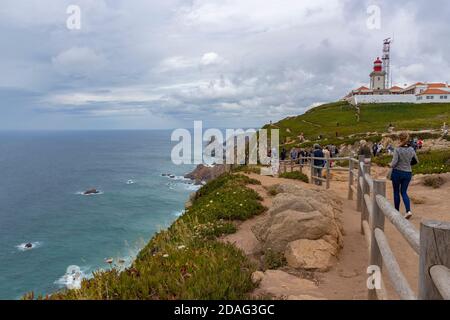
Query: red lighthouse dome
(378,65)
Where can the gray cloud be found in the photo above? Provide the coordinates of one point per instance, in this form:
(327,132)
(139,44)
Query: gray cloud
(154,64)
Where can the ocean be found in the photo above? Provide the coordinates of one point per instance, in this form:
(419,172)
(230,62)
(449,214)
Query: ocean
(42,179)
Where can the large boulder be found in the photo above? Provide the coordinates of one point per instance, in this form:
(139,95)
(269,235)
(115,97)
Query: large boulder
(291,225)
(303,214)
(315,255)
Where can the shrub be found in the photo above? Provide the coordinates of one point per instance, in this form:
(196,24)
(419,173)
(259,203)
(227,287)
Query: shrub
(296,175)
(272,190)
(248,169)
(273,260)
(434,181)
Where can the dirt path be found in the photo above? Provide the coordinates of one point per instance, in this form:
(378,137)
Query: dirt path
(346,280)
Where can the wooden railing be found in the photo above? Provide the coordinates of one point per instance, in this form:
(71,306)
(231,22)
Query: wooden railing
(309,162)
(431,243)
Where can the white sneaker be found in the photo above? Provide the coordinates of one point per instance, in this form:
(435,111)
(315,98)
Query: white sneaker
(408,215)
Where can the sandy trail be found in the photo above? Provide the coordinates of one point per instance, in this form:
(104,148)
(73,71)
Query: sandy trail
(347,279)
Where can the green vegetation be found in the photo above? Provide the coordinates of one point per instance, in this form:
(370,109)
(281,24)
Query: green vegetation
(187,261)
(340,117)
(430,162)
(248,169)
(273,260)
(296,175)
(272,190)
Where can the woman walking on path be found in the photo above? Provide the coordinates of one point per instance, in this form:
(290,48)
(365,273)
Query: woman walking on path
(404,158)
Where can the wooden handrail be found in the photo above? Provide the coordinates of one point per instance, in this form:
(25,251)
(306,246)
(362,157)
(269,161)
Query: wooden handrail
(441,278)
(399,281)
(431,243)
(405,227)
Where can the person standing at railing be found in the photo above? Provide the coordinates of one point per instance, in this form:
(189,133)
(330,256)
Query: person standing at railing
(318,163)
(294,154)
(404,158)
(364,150)
(283,154)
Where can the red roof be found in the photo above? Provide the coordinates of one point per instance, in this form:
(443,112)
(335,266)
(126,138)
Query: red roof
(396,88)
(362,89)
(378,60)
(434,91)
(437,85)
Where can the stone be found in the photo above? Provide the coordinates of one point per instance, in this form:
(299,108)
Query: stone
(282,284)
(257,276)
(291,225)
(313,255)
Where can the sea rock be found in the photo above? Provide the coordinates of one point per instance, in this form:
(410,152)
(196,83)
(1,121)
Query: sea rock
(91,191)
(29,245)
(314,255)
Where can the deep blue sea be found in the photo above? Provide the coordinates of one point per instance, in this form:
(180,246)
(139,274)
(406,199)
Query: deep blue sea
(42,178)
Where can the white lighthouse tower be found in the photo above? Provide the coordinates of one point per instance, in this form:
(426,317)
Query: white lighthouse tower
(378,76)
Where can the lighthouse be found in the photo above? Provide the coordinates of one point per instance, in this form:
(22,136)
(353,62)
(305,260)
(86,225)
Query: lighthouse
(378,76)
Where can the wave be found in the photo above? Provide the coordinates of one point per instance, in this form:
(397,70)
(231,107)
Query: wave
(73,277)
(22,246)
(179,213)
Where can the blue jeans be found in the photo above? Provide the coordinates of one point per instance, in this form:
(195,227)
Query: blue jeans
(400,183)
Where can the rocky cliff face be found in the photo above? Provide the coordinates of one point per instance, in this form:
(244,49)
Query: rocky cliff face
(204,173)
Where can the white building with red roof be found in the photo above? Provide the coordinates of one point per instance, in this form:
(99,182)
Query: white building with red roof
(419,92)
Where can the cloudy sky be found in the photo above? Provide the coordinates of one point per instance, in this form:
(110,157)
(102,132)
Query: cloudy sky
(145,64)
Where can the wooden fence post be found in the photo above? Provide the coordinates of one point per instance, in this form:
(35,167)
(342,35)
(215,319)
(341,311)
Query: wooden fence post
(365,190)
(350,179)
(434,250)
(358,185)
(379,188)
(328,172)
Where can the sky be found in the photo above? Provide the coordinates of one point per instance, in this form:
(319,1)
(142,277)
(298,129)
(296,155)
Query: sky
(147,64)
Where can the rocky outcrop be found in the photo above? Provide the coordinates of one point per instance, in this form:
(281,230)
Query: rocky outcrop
(305,225)
(283,285)
(316,255)
(204,173)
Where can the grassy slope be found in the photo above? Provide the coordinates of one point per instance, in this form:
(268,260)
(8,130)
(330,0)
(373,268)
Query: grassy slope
(374,118)
(187,261)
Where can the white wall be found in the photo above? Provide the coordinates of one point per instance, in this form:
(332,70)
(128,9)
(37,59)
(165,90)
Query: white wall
(387,98)
(437,99)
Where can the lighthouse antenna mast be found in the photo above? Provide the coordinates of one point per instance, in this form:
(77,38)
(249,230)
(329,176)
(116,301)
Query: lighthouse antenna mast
(387,60)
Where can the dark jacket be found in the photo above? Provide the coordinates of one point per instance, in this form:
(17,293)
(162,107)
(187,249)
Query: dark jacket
(365,151)
(318,153)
